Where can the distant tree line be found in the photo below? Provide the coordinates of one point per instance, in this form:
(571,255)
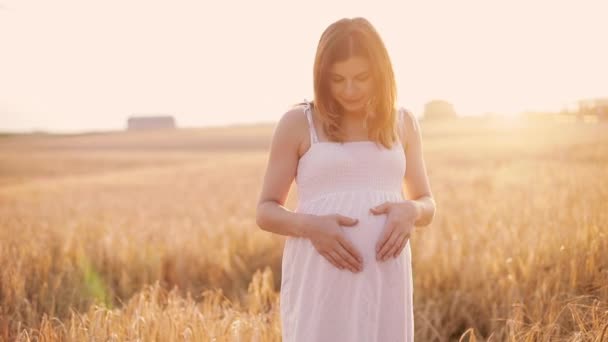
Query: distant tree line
(439,110)
(581,109)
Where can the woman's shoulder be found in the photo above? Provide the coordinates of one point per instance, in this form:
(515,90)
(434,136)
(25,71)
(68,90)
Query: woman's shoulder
(292,127)
(408,119)
(295,116)
(408,126)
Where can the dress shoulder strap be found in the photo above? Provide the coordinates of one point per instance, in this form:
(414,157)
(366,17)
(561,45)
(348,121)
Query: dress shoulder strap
(400,122)
(311,126)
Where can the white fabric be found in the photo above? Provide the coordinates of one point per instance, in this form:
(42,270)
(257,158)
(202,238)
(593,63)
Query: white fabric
(320,302)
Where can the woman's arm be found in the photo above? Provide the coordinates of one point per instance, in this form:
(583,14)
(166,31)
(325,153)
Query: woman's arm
(416,179)
(324,231)
(271,214)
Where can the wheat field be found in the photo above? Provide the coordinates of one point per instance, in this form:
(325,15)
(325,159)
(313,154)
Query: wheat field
(151,236)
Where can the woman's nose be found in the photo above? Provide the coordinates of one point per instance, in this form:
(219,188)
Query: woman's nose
(350,88)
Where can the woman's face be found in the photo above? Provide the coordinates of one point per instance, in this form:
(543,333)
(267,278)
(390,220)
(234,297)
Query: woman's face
(351,83)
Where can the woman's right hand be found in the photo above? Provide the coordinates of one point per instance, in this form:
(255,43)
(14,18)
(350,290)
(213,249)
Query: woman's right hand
(326,235)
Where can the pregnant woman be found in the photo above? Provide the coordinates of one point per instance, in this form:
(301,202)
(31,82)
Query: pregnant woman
(346,268)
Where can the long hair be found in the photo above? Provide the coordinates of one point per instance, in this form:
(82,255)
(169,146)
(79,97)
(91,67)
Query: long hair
(341,40)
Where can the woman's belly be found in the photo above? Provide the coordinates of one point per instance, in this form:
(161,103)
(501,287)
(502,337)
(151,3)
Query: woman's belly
(367,232)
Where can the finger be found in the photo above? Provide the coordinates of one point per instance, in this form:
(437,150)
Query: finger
(345,260)
(398,246)
(381,209)
(339,259)
(389,245)
(352,262)
(331,260)
(397,249)
(346,221)
(402,245)
(394,251)
(350,249)
(384,238)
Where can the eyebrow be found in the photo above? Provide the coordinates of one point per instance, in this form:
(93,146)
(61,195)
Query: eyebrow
(357,75)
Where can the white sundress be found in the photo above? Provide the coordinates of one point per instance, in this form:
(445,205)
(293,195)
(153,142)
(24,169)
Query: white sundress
(319,302)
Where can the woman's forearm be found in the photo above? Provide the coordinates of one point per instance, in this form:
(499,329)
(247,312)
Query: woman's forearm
(275,218)
(425,207)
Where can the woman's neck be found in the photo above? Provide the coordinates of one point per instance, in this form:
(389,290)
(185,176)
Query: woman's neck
(356,128)
(355,120)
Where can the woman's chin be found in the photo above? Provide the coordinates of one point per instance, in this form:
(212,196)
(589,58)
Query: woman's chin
(353,107)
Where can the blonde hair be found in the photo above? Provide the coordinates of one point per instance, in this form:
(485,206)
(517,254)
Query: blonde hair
(347,38)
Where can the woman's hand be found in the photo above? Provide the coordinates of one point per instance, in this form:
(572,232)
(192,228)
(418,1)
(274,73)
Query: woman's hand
(399,226)
(326,235)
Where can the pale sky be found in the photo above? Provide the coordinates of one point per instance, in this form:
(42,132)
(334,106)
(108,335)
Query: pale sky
(75,65)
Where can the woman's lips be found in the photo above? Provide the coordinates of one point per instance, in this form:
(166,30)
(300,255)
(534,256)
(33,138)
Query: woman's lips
(352,102)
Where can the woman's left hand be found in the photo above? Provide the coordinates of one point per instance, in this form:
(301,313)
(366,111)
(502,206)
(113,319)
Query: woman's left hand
(399,226)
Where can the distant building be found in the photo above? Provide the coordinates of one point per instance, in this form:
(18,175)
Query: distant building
(589,109)
(439,109)
(150,122)
(594,106)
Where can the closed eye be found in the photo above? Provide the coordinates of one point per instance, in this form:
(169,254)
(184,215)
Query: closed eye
(363,76)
